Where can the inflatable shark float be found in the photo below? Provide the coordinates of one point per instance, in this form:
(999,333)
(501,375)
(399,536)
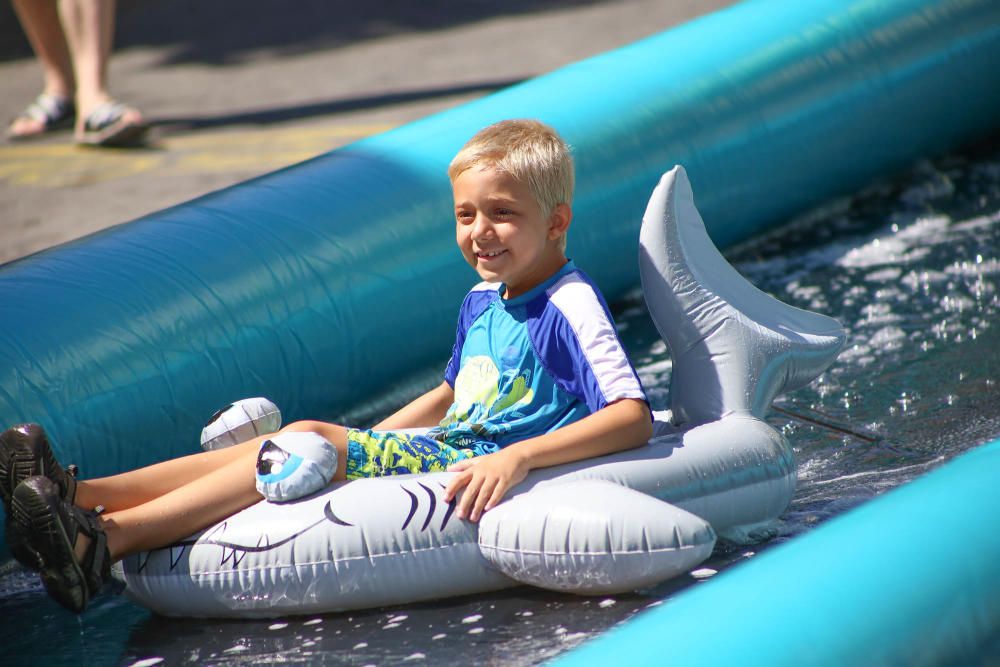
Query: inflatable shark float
(604,525)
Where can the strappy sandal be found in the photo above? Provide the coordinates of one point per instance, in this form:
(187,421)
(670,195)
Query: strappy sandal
(52,112)
(51,527)
(24,453)
(109,124)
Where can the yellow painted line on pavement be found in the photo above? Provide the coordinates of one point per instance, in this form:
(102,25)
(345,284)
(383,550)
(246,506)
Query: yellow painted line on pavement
(247,151)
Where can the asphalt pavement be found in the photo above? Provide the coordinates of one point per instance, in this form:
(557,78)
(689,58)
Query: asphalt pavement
(238,89)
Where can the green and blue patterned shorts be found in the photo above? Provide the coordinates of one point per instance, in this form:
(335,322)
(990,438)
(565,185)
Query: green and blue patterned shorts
(380,453)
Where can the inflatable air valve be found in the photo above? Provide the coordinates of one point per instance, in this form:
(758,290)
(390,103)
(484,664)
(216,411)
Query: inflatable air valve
(294,464)
(239,422)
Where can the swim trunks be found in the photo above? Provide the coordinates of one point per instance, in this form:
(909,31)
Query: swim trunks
(379,453)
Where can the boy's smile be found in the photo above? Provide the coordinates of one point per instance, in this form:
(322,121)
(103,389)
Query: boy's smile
(502,231)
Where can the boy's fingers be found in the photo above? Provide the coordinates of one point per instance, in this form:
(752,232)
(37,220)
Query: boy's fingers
(498,494)
(464,464)
(456,483)
(471,491)
(485,492)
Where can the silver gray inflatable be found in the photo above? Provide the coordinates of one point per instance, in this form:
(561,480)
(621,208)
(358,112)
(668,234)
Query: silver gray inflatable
(605,525)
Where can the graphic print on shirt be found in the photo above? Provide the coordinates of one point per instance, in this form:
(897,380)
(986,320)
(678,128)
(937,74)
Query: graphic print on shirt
(482,391)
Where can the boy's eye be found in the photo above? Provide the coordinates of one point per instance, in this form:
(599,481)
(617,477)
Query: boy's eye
(464,216)
(504,213)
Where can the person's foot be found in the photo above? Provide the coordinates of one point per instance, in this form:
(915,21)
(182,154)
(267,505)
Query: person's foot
(70,542)
(46,114)
(111,123)
(24,453)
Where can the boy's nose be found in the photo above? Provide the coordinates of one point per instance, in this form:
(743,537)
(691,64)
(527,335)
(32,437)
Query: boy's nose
(481,227)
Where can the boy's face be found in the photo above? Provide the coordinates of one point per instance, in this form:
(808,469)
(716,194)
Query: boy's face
(503,232)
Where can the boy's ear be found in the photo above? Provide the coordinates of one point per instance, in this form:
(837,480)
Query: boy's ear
(559,221)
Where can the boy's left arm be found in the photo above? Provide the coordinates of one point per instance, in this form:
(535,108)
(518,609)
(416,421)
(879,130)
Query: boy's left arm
(621,425)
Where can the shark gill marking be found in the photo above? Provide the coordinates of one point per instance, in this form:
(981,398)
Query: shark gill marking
(415,504)
(430,512)
(451,509)
(413,507)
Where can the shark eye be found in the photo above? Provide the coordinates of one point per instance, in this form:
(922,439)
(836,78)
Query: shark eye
(271,459)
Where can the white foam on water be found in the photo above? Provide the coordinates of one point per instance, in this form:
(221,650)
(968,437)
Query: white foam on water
(888,337)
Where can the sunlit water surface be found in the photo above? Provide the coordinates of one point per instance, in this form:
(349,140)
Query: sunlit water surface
(911,267)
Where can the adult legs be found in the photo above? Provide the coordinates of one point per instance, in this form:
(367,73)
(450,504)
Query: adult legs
(41,23)
(89,26)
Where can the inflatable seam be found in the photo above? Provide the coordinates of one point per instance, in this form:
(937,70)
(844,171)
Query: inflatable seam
(640,552)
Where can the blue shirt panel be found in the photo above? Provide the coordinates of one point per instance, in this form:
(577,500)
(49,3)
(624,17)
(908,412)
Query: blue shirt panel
(503,391)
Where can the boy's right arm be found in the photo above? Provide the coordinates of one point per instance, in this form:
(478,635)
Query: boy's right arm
(426,410)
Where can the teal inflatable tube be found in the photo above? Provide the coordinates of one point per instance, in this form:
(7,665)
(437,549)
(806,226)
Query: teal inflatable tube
(911,578)
(325,283)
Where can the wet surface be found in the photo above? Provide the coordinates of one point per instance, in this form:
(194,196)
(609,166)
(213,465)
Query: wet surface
(911,267)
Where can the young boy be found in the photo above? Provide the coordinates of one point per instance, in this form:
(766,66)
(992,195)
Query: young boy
(537,377)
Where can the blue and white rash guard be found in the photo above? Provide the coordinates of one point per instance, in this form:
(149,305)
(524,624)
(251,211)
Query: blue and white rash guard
(526,366)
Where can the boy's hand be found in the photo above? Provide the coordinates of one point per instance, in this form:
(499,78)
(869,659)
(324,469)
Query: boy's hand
(485,479)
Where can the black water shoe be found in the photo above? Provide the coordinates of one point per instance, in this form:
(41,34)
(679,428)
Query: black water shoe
(51,528)
(24,453)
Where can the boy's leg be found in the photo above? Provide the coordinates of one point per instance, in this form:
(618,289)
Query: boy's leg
(206,498)
(136,487)
(182,511)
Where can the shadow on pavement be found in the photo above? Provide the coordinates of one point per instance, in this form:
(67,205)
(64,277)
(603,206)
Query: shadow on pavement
(171,125)
(226,32)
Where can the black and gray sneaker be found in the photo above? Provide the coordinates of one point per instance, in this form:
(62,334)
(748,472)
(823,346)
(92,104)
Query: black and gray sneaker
(24,453)
(51,527)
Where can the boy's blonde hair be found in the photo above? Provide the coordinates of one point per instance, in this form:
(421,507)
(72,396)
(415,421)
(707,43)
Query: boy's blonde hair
(531,152)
